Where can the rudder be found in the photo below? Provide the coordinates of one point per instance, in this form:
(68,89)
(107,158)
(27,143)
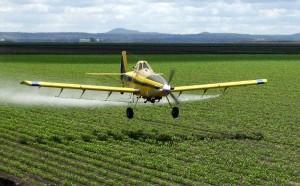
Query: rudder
(124,65)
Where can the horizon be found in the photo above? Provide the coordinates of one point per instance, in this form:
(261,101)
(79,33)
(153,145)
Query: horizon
(107,32)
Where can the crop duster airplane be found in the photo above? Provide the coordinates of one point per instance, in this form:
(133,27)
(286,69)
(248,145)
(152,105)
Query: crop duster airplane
(144,83)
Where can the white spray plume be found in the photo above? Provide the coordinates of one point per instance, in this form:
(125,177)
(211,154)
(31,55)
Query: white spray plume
(32,96)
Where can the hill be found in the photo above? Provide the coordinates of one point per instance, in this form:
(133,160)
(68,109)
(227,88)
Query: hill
(121,35)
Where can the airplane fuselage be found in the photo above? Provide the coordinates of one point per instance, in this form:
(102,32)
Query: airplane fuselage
(152,86)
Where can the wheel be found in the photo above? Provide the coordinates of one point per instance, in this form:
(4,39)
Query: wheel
(175,112)
(129,112)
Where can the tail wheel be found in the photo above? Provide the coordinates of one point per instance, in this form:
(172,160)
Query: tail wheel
(129,113)
(175,112)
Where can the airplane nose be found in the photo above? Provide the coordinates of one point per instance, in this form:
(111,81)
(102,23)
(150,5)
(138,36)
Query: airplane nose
(166,89)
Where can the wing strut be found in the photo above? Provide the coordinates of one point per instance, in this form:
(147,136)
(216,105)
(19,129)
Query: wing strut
(61,90)
(83,91)
(205,90)
(224,91)
(109,93)
(179,94)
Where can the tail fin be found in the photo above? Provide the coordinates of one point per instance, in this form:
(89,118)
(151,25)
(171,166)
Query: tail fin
(124,65)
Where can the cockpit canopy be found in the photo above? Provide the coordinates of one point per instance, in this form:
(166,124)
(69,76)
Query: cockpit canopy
(143,65)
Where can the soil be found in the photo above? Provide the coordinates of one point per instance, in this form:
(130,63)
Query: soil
(9,180)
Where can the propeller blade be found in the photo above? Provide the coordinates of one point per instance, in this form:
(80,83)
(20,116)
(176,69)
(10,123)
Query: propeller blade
(174,98)
(172,72)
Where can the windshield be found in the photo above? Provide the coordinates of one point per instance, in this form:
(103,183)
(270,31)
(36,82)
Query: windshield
(145,65)
(140,66)
(157,78)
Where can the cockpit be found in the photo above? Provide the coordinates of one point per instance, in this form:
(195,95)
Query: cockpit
(143,66)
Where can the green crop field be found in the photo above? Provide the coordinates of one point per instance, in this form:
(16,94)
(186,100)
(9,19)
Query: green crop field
(249,136)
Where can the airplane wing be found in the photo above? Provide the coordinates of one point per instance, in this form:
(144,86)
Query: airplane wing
(225,85)
(110,74)
(105,74)
(78,86)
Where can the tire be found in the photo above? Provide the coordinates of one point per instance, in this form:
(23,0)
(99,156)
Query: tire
(175,112)
(129,113)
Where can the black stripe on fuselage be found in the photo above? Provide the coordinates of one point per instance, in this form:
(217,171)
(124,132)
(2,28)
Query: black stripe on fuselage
(157,78)
(131,79)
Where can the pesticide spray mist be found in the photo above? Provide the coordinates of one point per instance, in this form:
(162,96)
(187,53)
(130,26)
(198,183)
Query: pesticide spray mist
(32,96)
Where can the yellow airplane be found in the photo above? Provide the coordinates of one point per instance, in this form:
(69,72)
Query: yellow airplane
(144,83)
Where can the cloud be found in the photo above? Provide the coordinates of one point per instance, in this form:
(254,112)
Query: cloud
(190,16)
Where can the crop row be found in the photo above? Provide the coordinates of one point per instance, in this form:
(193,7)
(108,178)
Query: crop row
(96,157)
(126,149)
(72,166)
(114,147)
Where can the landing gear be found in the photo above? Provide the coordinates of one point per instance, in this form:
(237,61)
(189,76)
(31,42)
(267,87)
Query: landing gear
(129,113)
(175,112)
(129,110)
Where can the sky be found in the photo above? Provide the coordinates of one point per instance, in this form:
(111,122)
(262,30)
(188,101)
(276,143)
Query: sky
(165,16)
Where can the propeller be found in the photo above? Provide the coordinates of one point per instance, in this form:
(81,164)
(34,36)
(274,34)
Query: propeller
(171,75)
(172,72)
(174,98)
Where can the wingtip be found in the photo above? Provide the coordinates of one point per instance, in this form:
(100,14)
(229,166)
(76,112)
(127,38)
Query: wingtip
(31,83)
(25,82)
(264,80)
(261,81)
